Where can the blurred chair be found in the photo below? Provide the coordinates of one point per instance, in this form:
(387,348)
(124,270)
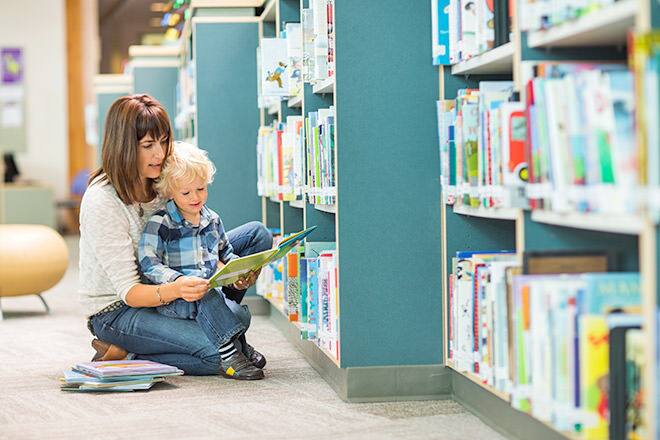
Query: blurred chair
(33,259)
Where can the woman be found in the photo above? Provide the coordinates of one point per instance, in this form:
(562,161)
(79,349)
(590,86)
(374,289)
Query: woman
(117,203)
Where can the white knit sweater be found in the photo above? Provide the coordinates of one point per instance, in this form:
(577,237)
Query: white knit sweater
(110,233)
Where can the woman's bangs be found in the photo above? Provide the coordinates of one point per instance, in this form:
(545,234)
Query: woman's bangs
(152,121)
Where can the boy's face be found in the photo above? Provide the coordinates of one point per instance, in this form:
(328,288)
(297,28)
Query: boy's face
(190,197)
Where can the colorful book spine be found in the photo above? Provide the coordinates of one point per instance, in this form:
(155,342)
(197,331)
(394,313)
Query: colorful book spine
(292,286)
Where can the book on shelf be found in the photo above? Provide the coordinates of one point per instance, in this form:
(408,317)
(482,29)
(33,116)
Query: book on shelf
(274,62)
(645,59)
(320,184)
(462,29)
(293,37)
(234,269)
(331,36)
(581,144)
(280,160)
(481,142)
(626,355)
(311,298)
(318,44)
(542,338)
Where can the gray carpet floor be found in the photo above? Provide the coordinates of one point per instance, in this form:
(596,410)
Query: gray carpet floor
(293,402)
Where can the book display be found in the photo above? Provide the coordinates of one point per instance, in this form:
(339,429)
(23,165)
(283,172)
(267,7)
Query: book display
(553,155)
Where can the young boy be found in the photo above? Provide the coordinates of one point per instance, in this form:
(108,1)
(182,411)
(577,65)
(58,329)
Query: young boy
(188,239)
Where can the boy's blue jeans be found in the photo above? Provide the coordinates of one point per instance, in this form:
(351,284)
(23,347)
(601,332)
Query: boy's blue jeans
(191,345)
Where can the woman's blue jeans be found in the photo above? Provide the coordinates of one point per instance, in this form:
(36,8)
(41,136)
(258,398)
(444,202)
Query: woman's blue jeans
(189,344)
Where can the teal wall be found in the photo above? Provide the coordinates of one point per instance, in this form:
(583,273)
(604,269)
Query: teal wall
(228,118)
(388,187)
(159,83)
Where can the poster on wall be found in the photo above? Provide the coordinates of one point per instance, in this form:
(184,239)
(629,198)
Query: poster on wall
(12,93)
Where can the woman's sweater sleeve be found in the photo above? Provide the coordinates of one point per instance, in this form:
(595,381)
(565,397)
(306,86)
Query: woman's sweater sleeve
(104,222)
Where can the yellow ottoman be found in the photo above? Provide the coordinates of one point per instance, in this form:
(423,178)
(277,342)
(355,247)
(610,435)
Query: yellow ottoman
(33,258)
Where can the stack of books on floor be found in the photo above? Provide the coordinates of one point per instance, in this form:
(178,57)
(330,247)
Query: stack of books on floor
(121,375)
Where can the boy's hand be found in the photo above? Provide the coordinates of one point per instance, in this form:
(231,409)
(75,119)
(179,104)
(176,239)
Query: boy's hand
(247,281)
(191,288)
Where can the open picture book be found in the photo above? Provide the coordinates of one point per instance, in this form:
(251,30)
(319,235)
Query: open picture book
(231,271)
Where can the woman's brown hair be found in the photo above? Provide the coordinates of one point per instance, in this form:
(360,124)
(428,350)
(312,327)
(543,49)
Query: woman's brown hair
(129,119)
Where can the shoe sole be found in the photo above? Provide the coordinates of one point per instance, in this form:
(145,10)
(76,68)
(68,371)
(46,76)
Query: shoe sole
(222,373)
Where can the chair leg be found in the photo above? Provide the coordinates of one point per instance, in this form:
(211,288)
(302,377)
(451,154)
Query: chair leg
(45,303)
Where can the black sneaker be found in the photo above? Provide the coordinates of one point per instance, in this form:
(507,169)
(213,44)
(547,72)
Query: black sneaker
(257,359)
(239,367)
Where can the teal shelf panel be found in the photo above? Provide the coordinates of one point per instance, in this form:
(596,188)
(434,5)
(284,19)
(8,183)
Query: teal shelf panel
(273,214)
(313,101)
(269,29)
(292,219)
(541,236)
(324,221)
(159,83)
(288,111)
(227,116)
(388,190)
(289,11)
(103,103)
(455,82)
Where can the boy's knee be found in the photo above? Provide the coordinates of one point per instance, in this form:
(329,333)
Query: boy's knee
(262,235)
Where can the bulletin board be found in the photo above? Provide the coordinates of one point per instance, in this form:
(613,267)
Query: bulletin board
(12,100)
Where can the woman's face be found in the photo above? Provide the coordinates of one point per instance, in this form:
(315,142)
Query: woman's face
(151,153)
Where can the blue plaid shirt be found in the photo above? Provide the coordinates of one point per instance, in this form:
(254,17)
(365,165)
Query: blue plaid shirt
(171,246)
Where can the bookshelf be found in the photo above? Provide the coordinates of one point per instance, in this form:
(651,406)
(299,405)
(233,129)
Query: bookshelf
(355,223)
(633,238)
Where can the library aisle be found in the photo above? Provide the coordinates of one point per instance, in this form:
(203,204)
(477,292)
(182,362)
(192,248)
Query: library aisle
(293,402)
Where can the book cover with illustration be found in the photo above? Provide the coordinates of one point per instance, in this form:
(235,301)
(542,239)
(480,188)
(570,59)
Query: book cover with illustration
(274,62)
(294,64)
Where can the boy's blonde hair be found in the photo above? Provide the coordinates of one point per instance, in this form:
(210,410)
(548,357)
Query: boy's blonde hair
(185,164)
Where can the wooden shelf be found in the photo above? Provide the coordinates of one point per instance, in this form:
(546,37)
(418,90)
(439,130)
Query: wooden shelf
(618,224)
(501,394)
(325,86)
(295,102)
(270,12)
(606,27)
(300,204)
(497,60)
(326,208)
(495,213)
(273,109)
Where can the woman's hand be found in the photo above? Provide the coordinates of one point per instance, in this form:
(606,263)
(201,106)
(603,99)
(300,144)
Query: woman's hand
(245,282)
(191,288)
